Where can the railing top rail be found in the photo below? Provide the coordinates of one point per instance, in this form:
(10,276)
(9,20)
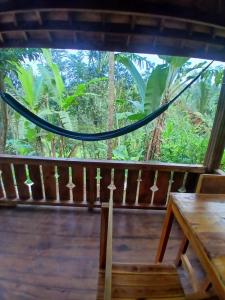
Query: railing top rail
(161,166)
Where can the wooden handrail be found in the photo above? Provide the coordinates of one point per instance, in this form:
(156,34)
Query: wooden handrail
(130,165)
(79,182)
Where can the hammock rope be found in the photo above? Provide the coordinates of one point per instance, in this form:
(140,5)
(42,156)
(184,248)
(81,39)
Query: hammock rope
(30,116)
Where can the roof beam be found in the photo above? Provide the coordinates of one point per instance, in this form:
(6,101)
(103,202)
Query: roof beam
(82,44)
(114,29)
(138,7)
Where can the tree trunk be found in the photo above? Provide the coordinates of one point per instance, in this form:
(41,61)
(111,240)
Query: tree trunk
(3,119)
(154,146)
(39,145)
(111,101)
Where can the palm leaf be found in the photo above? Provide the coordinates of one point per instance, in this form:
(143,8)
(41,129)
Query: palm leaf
(134,72)
(155,87)
(60,87)
(26,79)
(72,99)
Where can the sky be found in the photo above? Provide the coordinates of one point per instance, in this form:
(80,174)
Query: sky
(157,60)
(151,57)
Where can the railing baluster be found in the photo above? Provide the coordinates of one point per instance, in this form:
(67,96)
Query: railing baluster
(70,185)
(8,182)
(91,186)
(171,181)
(119,178)
(21,179)
(2,188)
(182,189)
(29,182)
(154,188)
(78,181)
(98,181)
(138,187)
(125,187)
(42,183)
(49,182)
(104,183)
(14,180)
(145,192)
(178,180)
(162,184)
(57,184)
(131,186)
(63,181)
(36,187)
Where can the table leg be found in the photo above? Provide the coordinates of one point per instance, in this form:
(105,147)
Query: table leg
(166,229)
(182,250)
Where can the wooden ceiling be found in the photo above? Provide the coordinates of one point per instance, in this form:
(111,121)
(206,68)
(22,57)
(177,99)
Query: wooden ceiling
(193,28)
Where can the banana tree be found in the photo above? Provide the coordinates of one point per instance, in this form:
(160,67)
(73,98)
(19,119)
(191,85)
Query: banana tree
(36,88)
(29,90)
(163,82)
(174,65)
(65,102)
(208,90)
(8,57)
(150,90)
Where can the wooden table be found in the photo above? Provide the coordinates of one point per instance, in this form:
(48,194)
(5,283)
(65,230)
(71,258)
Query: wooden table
(202,220)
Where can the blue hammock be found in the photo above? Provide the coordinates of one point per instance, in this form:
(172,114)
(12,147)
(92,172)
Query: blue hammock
(11,101)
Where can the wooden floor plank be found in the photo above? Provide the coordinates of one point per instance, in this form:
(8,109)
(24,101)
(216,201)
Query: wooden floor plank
(52,253)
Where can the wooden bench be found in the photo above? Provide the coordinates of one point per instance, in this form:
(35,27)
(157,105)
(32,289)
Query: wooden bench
(142,282)
(131,281)
(136,281)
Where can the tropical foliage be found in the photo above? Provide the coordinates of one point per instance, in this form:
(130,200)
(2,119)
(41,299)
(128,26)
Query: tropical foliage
(72,89)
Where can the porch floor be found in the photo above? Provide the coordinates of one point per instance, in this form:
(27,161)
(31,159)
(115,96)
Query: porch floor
(52,253)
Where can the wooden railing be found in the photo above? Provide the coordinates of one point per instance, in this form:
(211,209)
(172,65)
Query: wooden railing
(72,182)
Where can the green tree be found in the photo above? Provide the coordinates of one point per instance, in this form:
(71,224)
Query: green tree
(7,59)
(111,101)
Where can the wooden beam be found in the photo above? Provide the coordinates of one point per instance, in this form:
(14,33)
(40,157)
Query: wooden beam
(217,139)
(103,235)
(122,30)
(137,7)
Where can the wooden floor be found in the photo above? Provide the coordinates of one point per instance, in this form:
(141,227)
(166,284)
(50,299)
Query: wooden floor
(52,253)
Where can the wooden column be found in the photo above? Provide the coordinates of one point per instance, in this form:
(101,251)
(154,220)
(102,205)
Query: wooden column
(217,139)
(103,235)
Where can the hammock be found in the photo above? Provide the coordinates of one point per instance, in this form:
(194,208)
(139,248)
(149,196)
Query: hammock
(11,101)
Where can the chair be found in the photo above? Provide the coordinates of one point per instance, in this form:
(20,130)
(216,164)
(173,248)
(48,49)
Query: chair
(211,184)
(207,184)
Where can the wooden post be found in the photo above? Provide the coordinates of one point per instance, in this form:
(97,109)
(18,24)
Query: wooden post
(103,235)
(217,139)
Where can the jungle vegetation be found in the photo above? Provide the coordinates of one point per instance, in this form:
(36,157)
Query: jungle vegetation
(92,91)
